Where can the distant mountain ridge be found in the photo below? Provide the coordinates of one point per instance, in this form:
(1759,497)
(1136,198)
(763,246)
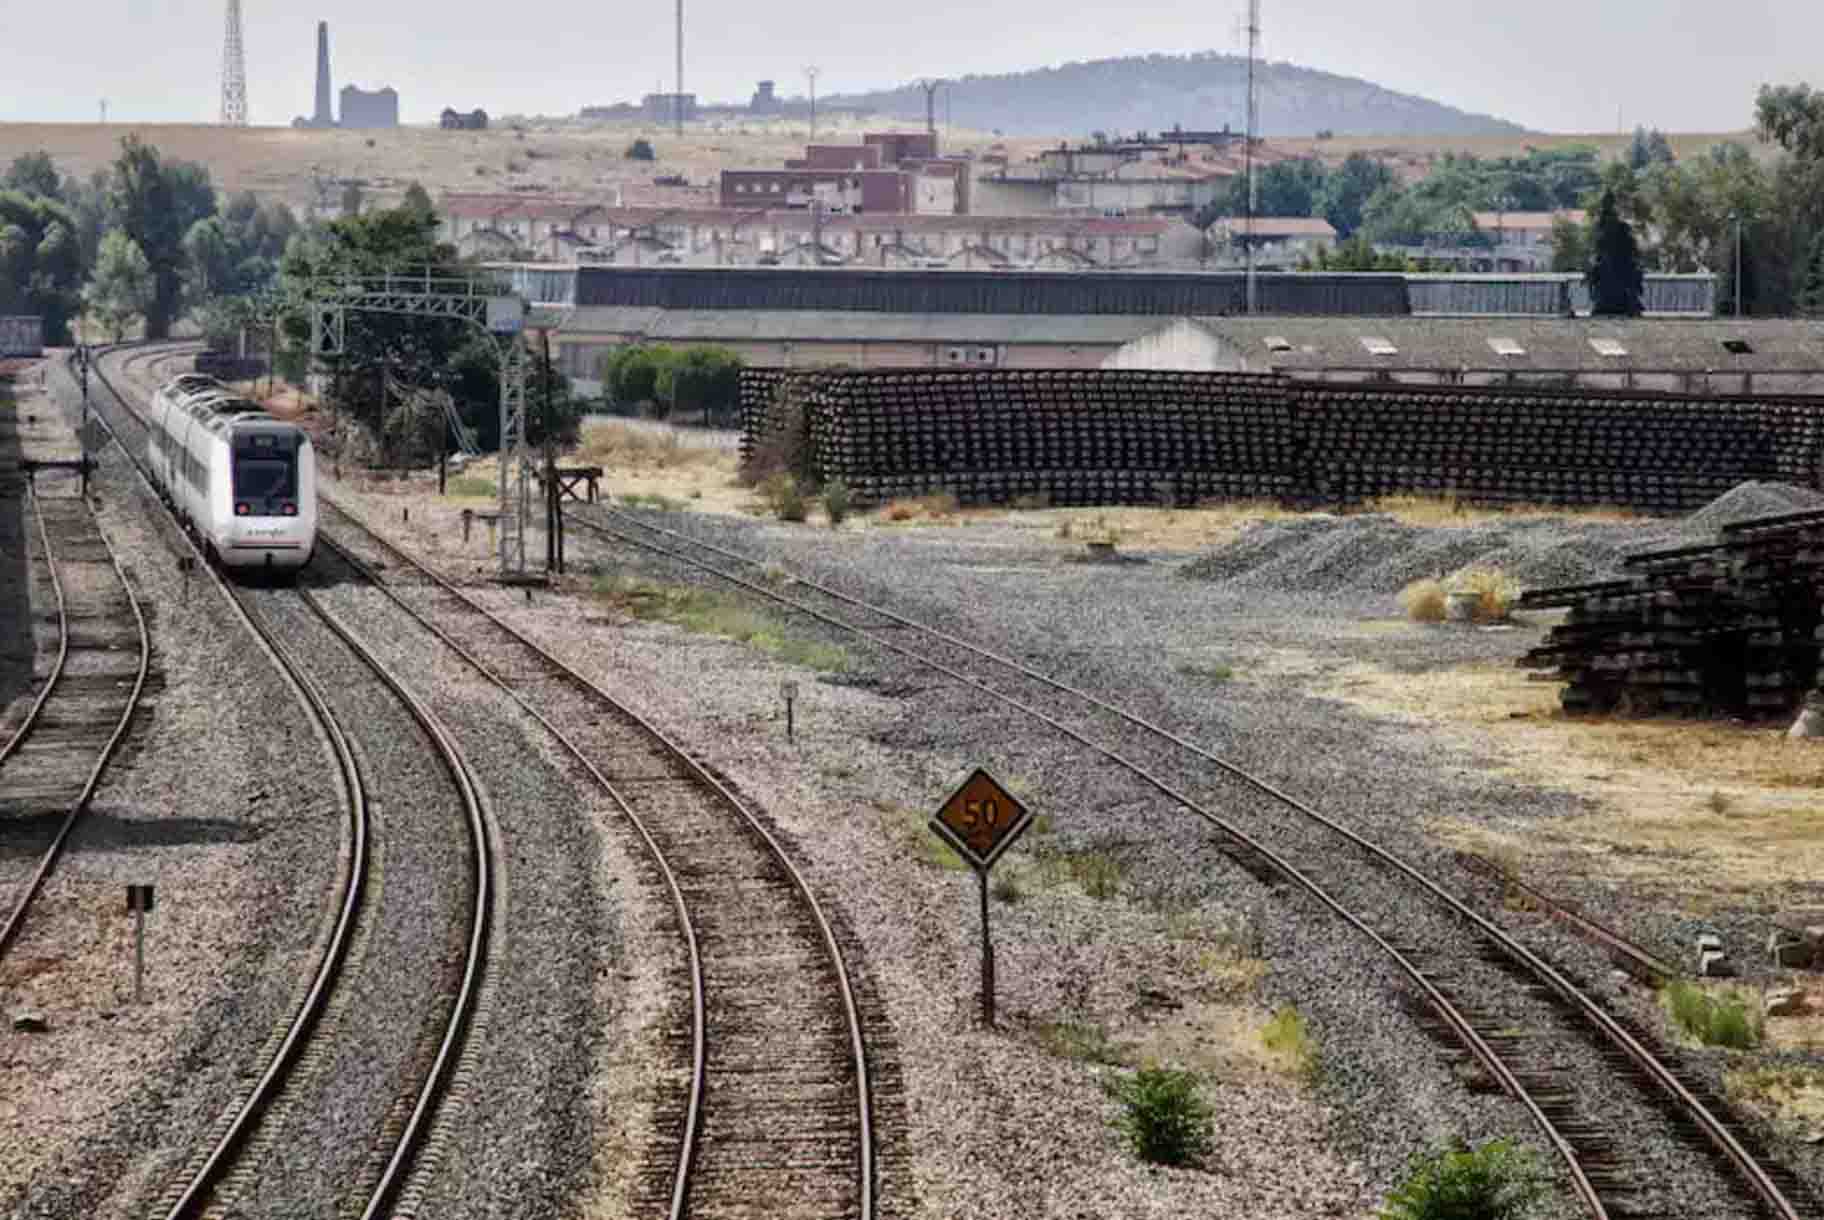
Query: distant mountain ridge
(1199,92)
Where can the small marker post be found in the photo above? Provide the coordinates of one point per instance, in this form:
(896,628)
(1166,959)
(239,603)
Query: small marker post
(139,902)
(789,689)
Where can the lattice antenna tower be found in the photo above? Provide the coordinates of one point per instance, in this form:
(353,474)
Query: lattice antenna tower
(234,71)
(1248,155)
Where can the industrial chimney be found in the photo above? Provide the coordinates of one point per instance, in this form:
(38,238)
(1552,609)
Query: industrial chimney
(325,116)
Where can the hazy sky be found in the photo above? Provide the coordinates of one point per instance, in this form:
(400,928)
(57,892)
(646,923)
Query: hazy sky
(1555,65)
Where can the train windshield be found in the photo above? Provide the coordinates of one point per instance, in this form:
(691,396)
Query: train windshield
(265,476)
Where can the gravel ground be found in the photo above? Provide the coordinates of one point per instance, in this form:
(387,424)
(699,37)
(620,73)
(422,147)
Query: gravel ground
(1012,592)
(219,805)
(574,1003)
(392,1004)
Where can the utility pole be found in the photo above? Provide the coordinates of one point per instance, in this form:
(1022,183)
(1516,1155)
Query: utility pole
(811,72)
(553,511)
(1248,160)
(930,88)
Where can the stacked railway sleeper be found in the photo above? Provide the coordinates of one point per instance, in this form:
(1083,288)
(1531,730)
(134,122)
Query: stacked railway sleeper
(1118,436)
(1730,627)
(1655,453)
(1603,1096)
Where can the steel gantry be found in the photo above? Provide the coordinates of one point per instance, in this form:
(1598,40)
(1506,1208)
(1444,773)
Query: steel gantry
(482,302)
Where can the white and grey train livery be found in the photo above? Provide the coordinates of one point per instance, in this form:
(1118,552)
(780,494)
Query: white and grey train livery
(245,482)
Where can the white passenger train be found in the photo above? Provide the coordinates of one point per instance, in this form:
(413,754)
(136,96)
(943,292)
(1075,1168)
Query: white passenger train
(246,483)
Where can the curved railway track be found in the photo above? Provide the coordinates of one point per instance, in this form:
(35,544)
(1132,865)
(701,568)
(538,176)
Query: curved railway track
(52,764)
(778,1118)
(1598,1172)
(195,1193)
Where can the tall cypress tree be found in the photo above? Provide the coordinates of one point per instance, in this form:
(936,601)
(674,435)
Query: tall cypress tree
(1615,278)
(1811,291)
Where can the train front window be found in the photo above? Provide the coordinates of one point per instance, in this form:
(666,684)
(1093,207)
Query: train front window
(265,477)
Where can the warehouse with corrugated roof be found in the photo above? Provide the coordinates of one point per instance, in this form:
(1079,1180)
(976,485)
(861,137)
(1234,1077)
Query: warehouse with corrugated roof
(1696,356)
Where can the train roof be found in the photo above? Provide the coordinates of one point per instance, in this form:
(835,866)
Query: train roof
(215,406)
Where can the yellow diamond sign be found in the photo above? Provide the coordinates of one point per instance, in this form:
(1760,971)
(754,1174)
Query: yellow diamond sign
(981,820)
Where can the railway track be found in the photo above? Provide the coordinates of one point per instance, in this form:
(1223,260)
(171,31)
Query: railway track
(400,1154)
(52,763)
(1479,984)
(777,1119)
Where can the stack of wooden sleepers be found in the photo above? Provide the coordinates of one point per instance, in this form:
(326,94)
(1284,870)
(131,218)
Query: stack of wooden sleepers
(1126,436)
(1728,628)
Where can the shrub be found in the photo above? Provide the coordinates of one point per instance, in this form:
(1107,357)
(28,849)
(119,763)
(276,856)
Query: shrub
(641,150)
(836,500)
(1497,1181)
(1423,601)
(1714,1020)
(1007,888)
(1078,1040)
(785,497)
(1162,1116)
(1497,590)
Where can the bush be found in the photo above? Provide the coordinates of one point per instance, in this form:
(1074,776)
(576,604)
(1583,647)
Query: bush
(785,497)
(1497,590)
(641,150)
(1497,1181)
(1163,1118)
(836,501)
(1714,1020)
(1423,601)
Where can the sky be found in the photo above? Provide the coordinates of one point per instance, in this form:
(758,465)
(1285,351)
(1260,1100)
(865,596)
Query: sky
(1551,65)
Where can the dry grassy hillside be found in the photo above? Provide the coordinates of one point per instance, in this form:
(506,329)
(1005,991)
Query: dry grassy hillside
(562,157)
(552,156)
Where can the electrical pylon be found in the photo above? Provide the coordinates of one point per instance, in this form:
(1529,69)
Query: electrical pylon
(234,71)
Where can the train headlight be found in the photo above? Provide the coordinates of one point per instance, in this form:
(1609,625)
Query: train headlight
(241,510)
(289,510)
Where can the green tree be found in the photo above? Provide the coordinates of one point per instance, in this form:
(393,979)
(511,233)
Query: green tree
(418,200)
(1355,254)
(33,173)
(1348,189)
(1811,294)
(123,286)
(631,374)
(41,263)
(1615,277)
(1570,246)
(704,380)
(1649,148)
(1791,116)
(155,204)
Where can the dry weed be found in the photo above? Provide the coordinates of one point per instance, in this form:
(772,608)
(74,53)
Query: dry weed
(624,447)
(1496,589)
(1423,601)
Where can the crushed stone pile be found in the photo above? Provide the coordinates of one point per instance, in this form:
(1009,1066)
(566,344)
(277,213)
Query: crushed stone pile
(1376,553)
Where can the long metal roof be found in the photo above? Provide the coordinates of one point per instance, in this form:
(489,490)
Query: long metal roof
(1124,293)
(801,326)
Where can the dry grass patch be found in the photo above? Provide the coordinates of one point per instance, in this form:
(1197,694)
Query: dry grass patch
(1693,805)
(1790,1097)
(1449,510)
(628,447)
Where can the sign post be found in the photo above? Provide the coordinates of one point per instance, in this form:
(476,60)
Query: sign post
(790,690)
(980,820)
(139,902)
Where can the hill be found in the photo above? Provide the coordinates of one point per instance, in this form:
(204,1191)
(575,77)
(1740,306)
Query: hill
(1197,92)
